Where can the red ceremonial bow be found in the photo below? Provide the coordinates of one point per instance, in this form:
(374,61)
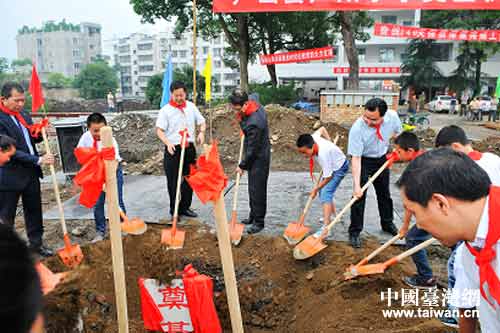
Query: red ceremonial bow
(178,106)
(34,129)
(485,256)
(184,140)
(315,149)
(249,108)
(92,175)
(475,155)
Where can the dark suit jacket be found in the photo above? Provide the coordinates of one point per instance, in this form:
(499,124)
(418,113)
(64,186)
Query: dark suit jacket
(15,175)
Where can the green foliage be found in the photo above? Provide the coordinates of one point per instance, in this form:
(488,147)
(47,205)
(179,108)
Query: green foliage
(96,80)
(154,90)
(51,26)
(4,65)
(20,62)
(268,94)
(58,80)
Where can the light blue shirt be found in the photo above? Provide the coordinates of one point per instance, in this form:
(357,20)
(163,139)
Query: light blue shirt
(363,140)
(26,135)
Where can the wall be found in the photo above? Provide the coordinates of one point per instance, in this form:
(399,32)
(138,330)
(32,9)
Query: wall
(61,94)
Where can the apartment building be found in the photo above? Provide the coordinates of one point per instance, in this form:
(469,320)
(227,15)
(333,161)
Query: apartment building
(140,56)
(60,47)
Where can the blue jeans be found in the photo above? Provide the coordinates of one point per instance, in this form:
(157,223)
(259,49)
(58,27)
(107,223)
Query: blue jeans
(328,191)
(99,216)
(414,237)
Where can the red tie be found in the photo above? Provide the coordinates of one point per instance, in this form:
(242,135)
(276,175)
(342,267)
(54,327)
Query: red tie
(311,160)
(475,155)
(485,256)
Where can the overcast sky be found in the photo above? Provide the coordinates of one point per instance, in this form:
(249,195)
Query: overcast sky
(116,17)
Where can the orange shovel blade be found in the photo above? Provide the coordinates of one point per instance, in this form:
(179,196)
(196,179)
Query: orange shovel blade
(172,238)
(295,232)
(71,255)
(235,230)
(135,226)
(355,271)
(48,280)
(308,248)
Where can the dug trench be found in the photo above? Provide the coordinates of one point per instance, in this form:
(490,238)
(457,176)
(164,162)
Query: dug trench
(277,293)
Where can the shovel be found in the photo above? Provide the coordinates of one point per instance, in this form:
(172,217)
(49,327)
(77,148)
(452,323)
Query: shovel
(173,238)
(135,226)
(71,255)
(380,268)
(236,229)
(296,231)
(312,245)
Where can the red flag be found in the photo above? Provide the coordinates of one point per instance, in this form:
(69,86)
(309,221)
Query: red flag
(35,90)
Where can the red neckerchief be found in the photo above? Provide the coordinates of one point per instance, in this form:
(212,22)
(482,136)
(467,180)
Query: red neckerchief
(94,144)
(377,129)
(178,106)
(249,108)
(34,129)
(315,149)
(475,155)
(485,256)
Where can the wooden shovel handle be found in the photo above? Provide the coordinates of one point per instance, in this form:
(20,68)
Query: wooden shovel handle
(179,175)
(380,249)
(55,185)
(398,258)
(238,176)
(363,189)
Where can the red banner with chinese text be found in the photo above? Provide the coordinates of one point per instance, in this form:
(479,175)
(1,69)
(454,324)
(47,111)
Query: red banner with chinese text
(400,31)
(368,70)
(297,56)
(243,6)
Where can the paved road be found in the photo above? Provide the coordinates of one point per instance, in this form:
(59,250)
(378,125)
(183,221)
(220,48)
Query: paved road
(473,129)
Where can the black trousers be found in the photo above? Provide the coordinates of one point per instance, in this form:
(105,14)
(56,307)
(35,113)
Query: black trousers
(32,209)
(258,175)
(171,165)
(385,207)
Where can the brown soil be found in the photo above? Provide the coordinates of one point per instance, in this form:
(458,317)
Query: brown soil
(277,293)
(490,144)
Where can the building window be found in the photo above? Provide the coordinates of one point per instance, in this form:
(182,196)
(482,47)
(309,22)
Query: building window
(124,49)
(361,55)
(387,54)
(217,64)
(408,23)
(39,42)
(76,53)
(124,58)
(392,19)
(148,68)
(148,57)
(205,50)
(75,41)
(441,52)
(145,47)
(91,46)
(183,54)
(76,67)
(217,52)
(404,56)
(174,54)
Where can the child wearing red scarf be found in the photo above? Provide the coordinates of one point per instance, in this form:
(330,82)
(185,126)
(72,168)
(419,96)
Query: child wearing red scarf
(453,199)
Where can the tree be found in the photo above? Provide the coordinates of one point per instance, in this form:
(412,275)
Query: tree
(4,65)
(20,62)
(58,80)
(96,80)
(419,69)
(154,90)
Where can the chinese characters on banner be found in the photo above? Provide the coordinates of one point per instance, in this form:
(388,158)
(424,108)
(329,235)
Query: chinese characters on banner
(368,70)
(429,298)
(297,56)
(400,31)
(244,6)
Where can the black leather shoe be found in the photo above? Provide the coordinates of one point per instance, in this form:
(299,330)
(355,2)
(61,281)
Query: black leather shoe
(189,213)
(42,251)
(254,229)
(391,229)
(247,221)
(355,241)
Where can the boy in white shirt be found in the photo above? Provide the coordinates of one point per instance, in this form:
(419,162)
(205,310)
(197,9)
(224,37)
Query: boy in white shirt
(334,164)
(92,139)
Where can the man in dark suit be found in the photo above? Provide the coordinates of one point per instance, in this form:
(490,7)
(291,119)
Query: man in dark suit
(21,176)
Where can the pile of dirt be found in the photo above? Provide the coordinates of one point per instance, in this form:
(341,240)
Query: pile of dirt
(143,152)
(427,138)
(93,105)
(277,293)
(490,144)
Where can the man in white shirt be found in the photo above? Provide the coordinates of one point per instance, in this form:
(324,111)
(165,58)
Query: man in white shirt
(369,140)
(92,139)
(176,116)
(452,198)
(334,164)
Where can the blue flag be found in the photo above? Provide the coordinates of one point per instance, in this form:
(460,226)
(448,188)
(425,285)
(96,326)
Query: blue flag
(167,81)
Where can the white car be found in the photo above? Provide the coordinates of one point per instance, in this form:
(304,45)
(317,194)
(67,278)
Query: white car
(440,103)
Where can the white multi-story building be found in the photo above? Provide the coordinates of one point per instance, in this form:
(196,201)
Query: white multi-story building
(140,56)
(377,52)
(60,47)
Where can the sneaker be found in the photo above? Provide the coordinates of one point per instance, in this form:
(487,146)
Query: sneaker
(42,251)
(416,281)
(391,229)
(320,231)
(254,229)
(98,238)
(449,321)
(355,241)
